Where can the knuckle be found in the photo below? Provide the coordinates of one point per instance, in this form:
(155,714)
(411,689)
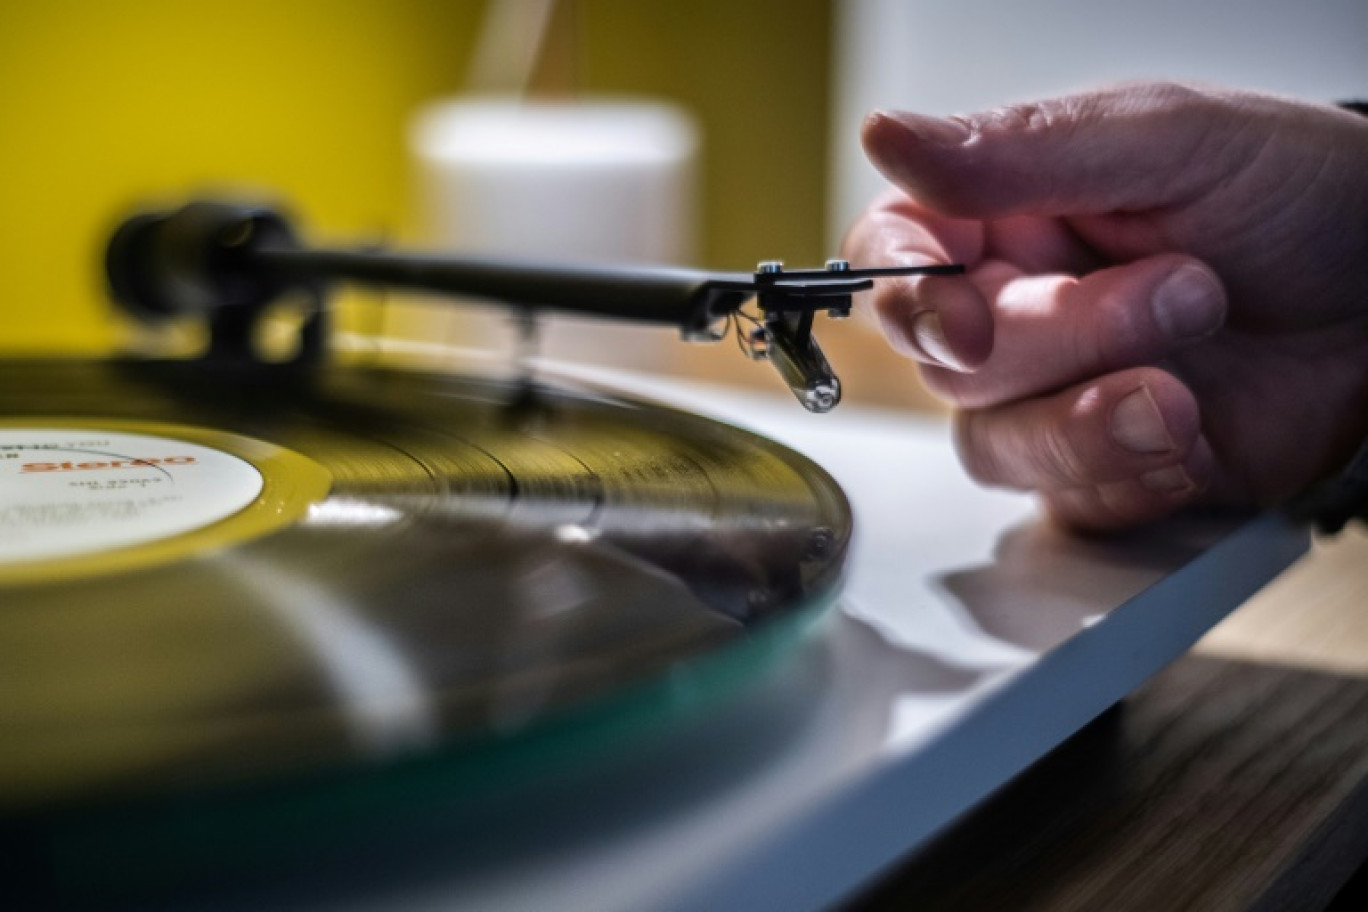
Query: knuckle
(1120,334)
(1086,337)
(1170,95)
(1057,456)
(1152,97)
(1034,116)
(1024,116)
(974,445)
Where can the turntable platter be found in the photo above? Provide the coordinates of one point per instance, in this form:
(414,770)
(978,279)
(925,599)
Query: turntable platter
(379,565)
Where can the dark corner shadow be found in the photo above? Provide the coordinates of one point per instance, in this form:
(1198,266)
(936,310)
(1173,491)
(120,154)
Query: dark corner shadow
(1046,583)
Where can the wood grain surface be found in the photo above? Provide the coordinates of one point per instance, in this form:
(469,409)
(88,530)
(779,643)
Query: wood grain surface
(1235,779)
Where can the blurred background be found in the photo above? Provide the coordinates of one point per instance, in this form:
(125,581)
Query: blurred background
(105,104)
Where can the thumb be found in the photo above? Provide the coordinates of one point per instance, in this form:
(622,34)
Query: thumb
(1129,147)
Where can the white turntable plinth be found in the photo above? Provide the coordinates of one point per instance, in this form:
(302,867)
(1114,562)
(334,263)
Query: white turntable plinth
(971,640)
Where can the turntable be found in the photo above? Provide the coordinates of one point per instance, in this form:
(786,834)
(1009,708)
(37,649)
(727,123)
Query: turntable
(330,635)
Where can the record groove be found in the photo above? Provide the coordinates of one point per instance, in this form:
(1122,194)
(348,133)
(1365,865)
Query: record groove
(487,559)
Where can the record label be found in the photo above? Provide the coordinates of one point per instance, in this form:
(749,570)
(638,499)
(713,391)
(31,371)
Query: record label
(81,496)
(65,492)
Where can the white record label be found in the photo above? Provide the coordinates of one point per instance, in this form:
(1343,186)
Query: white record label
(66,492)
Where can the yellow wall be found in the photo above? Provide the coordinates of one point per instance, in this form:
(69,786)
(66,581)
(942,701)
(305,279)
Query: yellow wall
(756,74)
(104,103)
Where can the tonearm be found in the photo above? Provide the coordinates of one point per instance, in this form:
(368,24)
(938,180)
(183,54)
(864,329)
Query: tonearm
(229,262)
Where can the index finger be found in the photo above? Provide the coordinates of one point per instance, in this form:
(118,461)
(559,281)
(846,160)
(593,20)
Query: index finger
(941,320)
(895,226)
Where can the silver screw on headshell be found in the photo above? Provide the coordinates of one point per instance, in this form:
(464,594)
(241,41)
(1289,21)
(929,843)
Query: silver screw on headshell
(839,313)
(770,267)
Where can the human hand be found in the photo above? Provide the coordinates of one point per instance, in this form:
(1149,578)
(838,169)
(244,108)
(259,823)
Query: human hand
(1166,298)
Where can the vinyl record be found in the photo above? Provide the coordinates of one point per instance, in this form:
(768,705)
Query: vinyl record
(214,576)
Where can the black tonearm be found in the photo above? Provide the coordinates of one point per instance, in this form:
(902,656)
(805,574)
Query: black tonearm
(229,262)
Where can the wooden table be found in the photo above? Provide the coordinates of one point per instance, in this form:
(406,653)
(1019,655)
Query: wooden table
(1235,779)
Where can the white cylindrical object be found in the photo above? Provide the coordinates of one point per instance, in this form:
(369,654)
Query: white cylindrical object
(599,180)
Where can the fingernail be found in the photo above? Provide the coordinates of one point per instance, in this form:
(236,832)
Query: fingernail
(1137,425)
(1173,480)
(937,130)
(1189,304)
(929,335)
